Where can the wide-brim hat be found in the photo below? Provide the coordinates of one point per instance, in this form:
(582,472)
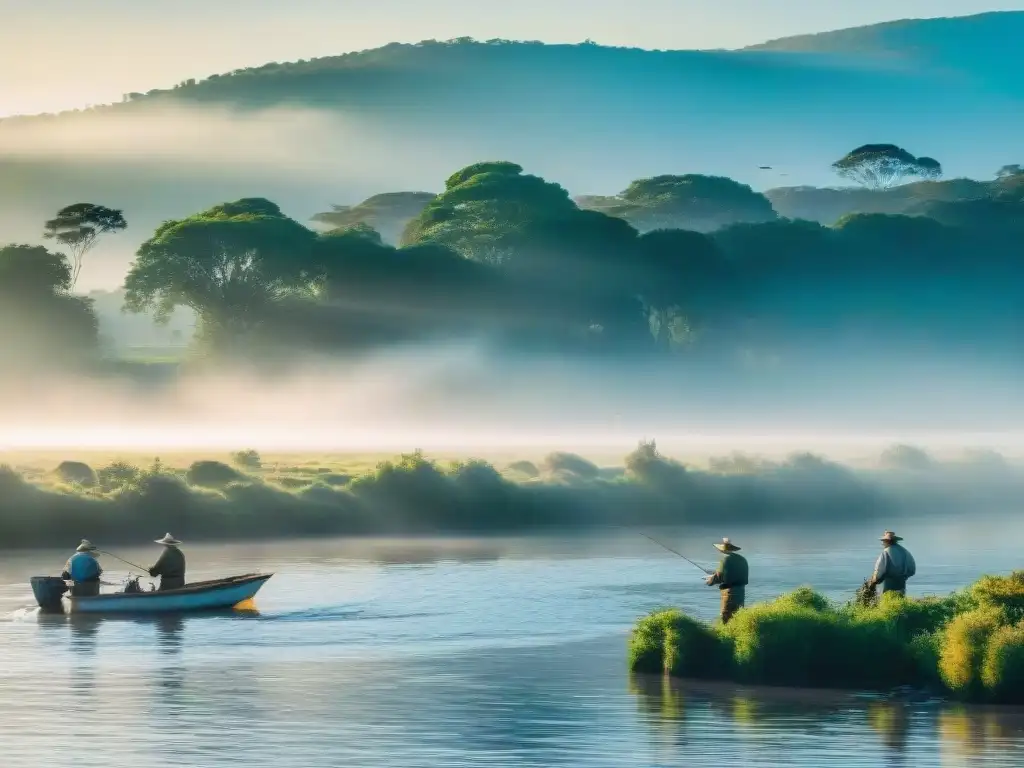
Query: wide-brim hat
(890,536)
(85,546)
(726,546)
(168,541)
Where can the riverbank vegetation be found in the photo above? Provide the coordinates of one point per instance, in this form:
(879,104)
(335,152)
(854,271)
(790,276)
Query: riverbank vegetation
(967,645)
(246,495)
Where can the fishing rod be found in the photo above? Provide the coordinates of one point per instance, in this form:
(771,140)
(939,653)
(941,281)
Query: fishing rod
(680,554)
(133,565)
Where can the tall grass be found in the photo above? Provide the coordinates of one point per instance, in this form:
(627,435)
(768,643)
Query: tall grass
(969,645)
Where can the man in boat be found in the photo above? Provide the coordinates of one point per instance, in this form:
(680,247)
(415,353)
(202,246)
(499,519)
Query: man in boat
(170,566)
(894,566)
(83,570)
(730,578)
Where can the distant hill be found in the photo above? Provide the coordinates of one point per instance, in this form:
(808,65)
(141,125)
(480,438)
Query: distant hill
(975,47)
(338,130)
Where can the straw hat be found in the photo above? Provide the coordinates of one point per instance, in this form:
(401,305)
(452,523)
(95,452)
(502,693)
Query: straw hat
(86,546)
(726,546)
(168,541)
(890,538)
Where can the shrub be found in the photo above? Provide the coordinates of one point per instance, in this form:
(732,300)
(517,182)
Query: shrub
(525,468)
(964,647)
(673,643)
(212,474)
(1002,671)
(76,473)
(119,474)
(248,459)
(1005,592)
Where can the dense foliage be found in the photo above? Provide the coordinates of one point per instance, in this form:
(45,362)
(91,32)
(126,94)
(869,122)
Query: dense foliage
(969,644)
(257,497)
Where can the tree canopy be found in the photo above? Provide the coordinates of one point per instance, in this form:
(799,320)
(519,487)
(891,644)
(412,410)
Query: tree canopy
(880,166)
(78,227)
(692,201)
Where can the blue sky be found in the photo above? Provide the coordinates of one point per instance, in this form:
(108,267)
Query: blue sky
(54,54)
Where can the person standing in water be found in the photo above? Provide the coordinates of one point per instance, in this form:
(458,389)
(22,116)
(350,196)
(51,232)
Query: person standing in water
(894,566)
(170,566)
(83,570)
(730,578)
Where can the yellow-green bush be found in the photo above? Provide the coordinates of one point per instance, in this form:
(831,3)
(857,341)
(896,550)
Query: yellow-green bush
(1002,671)
(963,649)
(1006,592)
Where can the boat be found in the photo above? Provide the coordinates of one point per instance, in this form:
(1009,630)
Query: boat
(218,594)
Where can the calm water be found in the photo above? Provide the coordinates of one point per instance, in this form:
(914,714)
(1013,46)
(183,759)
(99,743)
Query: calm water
(468,653)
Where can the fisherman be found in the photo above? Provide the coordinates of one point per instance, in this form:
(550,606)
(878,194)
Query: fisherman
(894,566)
(170,566)
(731,578)
(84,570)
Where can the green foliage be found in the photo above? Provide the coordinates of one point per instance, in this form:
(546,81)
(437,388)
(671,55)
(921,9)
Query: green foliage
(671,642)
(212,474)
(247,459)
(963,650)
(76,473)
(689,202)
(968,644)
(880,166)
(78,227)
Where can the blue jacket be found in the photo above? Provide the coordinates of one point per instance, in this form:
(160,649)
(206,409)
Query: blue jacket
(83,567)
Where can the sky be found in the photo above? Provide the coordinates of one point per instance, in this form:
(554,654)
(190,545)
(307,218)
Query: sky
(55,54)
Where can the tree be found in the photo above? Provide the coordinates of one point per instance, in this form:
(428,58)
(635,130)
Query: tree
(694,202)
(485,208)
(1009,171)
(40,322)
(78,227)
(228,264)
(881,166)
(388,213)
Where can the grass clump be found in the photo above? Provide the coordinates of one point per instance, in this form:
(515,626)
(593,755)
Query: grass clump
(968,645)
(672,642)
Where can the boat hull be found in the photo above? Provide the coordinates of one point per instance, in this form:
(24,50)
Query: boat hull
(202,596)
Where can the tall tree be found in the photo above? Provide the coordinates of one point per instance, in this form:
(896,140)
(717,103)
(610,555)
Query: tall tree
(881,166)
(78,227)
(228,264)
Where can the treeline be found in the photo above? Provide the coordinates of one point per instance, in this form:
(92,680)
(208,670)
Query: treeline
(696,265)
(414,495)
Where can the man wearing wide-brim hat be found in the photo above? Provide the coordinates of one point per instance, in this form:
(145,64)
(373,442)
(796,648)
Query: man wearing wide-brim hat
(83,570)
(731,578)
(894,566)
(170,566)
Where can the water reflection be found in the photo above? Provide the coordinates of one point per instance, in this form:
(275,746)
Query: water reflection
(683,714)
(84,642)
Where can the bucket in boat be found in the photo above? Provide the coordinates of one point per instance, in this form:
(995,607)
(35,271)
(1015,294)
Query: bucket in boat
(48,591)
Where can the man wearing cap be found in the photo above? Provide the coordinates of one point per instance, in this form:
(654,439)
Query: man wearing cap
(170,566)
(894,566)
(83,569)
(731,578)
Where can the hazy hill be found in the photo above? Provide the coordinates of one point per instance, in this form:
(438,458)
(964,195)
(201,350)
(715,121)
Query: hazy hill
(977,47)
(334,131)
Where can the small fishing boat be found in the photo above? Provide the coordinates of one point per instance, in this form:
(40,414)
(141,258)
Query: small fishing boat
(218,594)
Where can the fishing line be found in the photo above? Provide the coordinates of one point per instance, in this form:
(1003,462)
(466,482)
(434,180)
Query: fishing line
(680,554)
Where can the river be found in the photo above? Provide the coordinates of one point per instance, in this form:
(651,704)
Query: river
(502,652)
